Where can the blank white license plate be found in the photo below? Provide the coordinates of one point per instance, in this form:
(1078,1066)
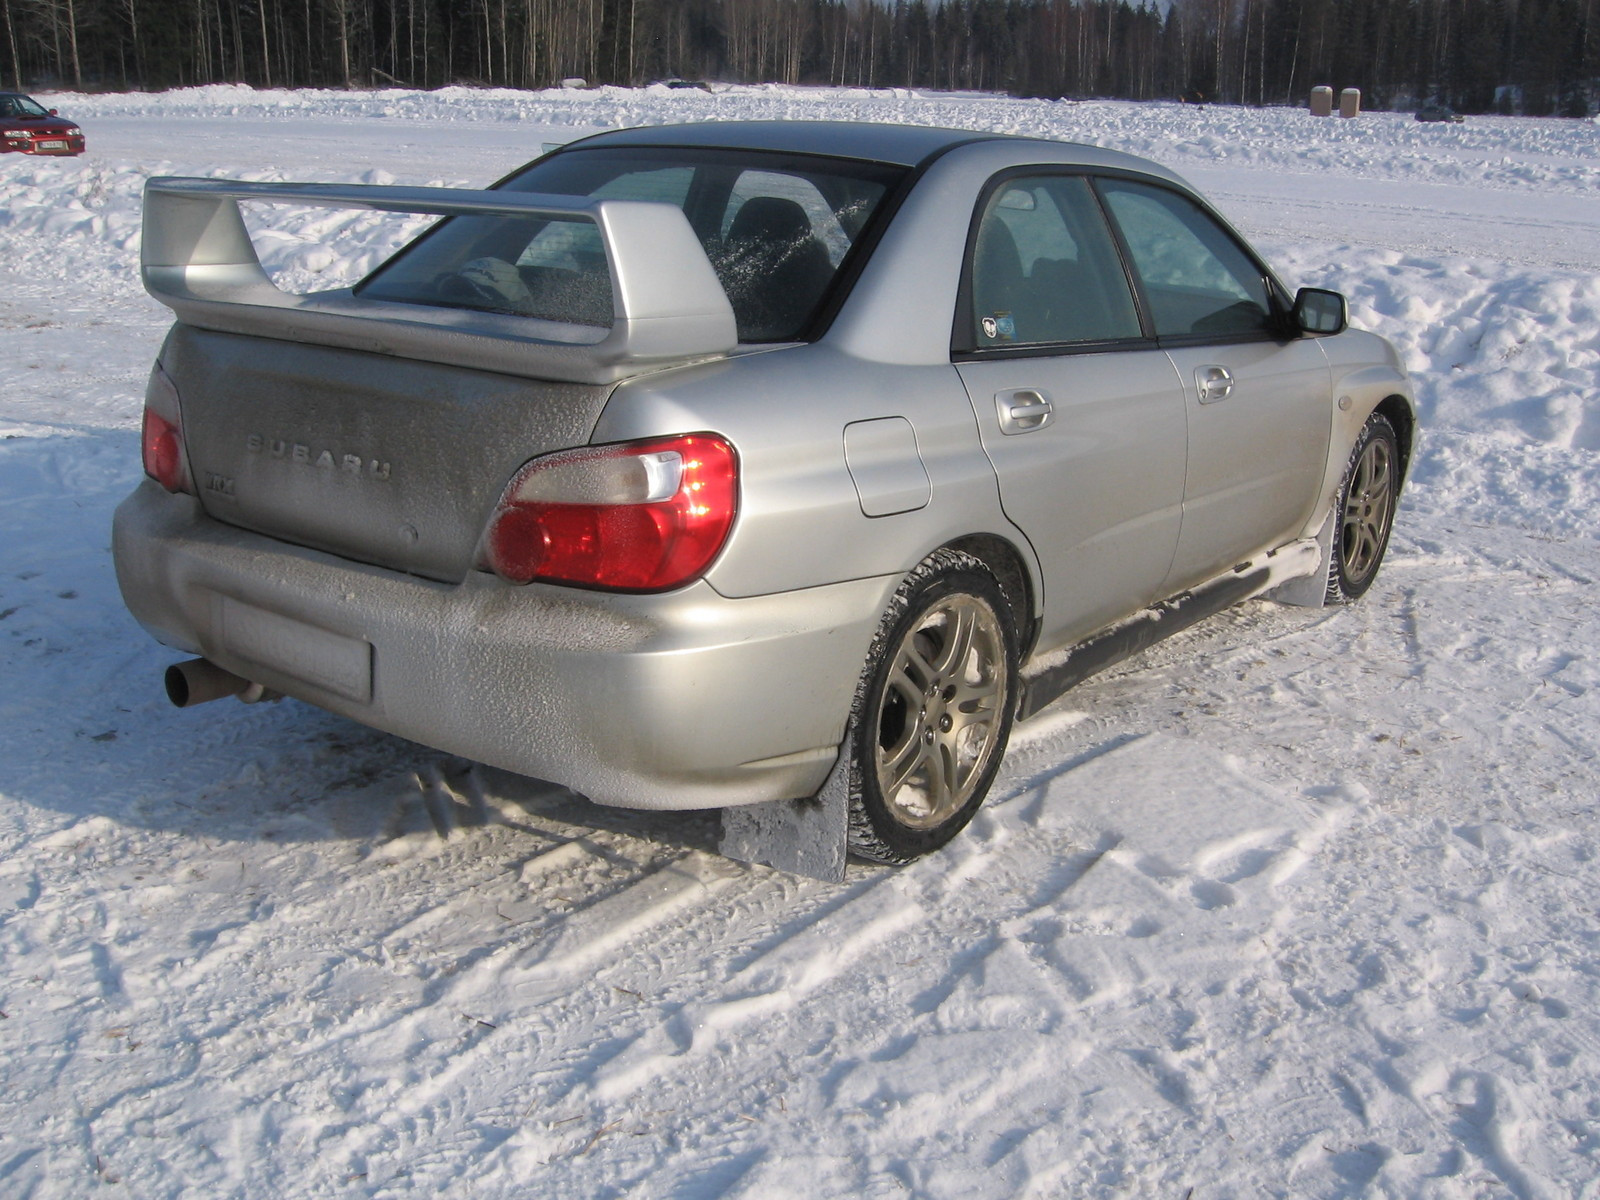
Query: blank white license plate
(330,661)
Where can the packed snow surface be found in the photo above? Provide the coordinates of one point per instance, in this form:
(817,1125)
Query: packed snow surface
(1299,904)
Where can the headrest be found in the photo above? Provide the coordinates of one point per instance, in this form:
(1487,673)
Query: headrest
(771,219)
(997,258)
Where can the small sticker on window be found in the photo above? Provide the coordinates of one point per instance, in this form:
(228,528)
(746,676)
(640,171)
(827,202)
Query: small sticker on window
(1001,327)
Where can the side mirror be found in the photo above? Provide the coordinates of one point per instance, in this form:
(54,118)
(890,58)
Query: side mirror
(55,112)
(1317,310)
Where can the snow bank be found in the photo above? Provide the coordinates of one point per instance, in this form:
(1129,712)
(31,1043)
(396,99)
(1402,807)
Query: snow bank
(1525,154)
(1506,362)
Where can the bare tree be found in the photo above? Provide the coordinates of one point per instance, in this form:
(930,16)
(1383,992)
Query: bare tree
(11,38)
(341,11)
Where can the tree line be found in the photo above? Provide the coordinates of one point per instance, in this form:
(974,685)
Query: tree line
(1535,56)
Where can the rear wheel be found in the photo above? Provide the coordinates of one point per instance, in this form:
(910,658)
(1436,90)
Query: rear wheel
(933,710)
(1365,511)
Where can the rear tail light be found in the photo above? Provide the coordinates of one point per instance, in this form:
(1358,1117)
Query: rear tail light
(165,459)
(637,517)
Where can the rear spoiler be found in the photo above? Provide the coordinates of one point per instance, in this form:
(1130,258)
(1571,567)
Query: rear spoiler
(198,260)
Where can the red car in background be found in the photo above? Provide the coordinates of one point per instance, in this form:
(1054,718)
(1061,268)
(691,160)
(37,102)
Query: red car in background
(26,126)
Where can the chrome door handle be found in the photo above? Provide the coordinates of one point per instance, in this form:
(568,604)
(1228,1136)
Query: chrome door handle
(1023,411)
(1213,383)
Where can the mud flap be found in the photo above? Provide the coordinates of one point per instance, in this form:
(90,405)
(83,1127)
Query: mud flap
(803,837)
(1310,591)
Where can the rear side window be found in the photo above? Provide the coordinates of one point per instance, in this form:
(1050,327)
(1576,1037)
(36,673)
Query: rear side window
(1045,270)
(777,229)
(1197,279)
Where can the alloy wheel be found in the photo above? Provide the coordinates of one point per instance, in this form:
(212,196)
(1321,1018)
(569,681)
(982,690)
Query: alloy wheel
(1368,508)
(939,720)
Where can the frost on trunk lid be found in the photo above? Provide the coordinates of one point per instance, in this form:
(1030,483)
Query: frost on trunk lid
(384,460)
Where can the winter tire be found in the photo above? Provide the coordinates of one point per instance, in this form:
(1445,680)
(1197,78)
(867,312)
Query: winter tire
(933,710)
(1364,513)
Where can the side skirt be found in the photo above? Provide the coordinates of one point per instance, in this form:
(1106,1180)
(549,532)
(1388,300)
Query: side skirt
(1061,671)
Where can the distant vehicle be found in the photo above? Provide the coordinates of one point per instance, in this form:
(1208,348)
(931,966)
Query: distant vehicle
(27,127)
(693,466)
(686,85)
(1439,112)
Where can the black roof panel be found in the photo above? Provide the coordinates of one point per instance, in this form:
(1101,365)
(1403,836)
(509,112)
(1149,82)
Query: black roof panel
(904,145)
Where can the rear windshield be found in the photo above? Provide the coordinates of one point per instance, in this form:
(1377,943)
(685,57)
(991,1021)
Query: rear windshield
(777,228)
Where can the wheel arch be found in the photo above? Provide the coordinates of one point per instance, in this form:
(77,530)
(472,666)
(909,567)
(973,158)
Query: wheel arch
(1010,569)
(1404,421)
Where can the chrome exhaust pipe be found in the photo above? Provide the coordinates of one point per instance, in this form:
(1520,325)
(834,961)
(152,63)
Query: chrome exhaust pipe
(200,680)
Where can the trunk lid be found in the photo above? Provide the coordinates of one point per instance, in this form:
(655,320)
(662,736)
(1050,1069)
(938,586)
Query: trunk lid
(389,461)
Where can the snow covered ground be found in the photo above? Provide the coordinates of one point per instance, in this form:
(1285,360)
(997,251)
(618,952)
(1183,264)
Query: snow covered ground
(1300,904)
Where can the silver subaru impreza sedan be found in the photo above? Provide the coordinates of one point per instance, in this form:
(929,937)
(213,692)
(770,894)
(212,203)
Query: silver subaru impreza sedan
(745,465)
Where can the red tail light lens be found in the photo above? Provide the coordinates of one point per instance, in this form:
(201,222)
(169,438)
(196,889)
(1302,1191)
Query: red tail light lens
(164,458)
(637,517)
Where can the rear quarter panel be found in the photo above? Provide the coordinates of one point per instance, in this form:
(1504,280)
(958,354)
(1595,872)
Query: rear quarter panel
(801,522)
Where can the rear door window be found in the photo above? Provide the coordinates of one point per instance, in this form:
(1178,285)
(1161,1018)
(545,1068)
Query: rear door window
(1045,270)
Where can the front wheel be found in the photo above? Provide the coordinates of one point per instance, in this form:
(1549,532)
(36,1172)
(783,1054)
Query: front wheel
(933,710)
(1365,512)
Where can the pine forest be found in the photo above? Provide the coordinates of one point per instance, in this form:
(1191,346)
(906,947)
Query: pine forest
(1539,57)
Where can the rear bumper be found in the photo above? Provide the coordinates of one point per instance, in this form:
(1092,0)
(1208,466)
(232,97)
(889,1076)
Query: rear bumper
(683,700)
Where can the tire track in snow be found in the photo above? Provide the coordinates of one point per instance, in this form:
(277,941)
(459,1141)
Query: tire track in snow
(513,984)
(776,980)
(654,891)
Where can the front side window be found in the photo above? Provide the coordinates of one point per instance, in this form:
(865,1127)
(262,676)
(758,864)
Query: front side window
(1045,270)
(1197,279)
(777,230)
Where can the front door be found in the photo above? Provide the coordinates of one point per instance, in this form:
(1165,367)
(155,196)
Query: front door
(1258,400)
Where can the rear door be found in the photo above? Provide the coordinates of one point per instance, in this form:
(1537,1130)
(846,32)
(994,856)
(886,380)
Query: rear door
(1258,401)
(1081,414)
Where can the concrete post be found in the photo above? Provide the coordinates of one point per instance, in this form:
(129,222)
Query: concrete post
(1322,102)
(1350,102)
